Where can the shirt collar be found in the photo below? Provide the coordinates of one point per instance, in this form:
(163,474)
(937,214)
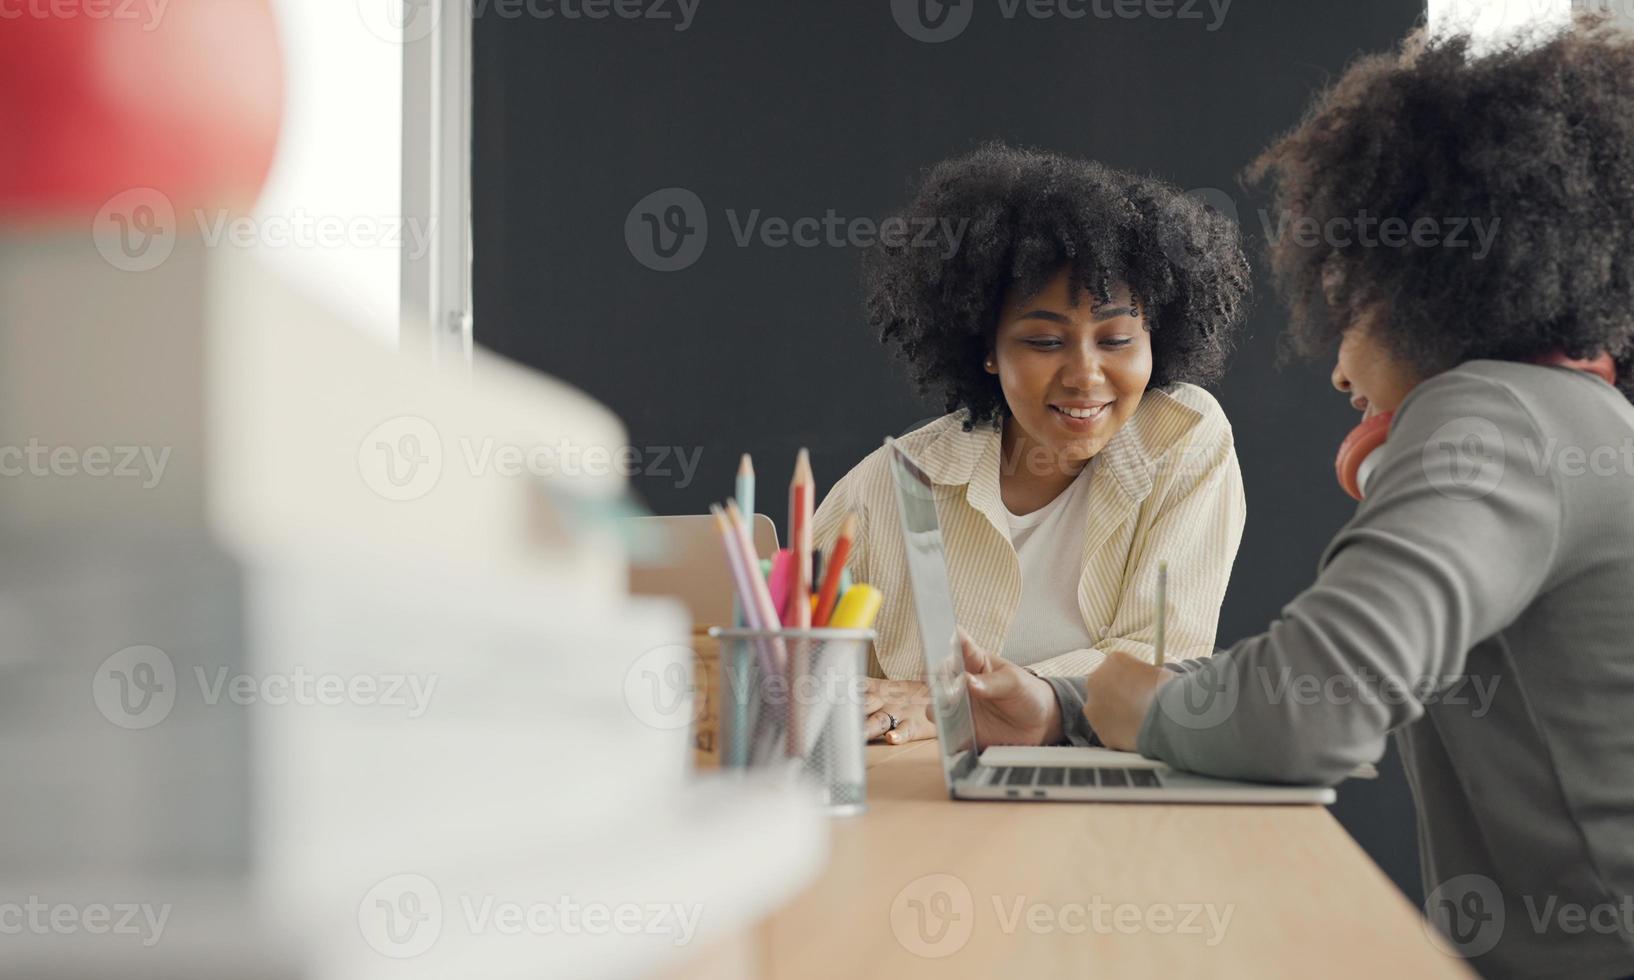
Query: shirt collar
(956,457)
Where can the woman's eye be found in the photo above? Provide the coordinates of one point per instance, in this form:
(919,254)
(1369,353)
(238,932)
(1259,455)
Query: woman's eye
(1118,341)
(1043,343)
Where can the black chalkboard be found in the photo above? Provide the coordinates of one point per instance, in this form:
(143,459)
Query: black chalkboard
(728,112)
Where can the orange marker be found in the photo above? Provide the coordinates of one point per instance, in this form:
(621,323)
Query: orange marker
(836,566)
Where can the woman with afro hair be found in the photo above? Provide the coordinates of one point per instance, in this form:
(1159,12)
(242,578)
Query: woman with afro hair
(1478,605)
(1066,336)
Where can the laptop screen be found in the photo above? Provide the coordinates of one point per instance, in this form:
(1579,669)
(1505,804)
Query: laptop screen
(933,601)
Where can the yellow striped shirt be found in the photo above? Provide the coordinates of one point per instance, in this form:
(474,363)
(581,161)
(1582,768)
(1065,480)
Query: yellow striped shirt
(1167,487)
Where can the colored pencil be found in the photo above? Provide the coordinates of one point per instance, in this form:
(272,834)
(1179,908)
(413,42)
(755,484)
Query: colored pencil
(801,489)
(775,653)
(746,499)
(841,551)
(734,560)
(762,594)
(753,734)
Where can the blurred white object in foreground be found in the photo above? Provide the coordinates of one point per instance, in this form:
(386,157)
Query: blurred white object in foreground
(322,665)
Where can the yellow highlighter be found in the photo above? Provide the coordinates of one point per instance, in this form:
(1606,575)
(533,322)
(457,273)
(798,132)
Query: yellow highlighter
(857,608)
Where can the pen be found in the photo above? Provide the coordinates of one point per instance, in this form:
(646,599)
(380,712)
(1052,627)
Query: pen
(1162,607)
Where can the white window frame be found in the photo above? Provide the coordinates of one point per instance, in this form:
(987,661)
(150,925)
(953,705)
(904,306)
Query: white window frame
(1491,20)
(435,320)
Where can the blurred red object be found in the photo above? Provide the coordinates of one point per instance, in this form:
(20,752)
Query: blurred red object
(101,96)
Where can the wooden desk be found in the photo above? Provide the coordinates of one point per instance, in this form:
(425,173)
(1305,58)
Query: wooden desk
(1089,890)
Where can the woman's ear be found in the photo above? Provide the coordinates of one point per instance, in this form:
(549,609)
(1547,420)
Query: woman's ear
(991,365)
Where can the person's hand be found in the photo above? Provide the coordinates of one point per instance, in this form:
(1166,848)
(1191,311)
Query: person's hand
(1012,706)
(1120,694)
(907,701)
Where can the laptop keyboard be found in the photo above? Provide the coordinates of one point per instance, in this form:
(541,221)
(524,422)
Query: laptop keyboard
(1017,778)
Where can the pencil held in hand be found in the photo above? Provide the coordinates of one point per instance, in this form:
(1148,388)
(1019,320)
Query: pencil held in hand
(1162,607)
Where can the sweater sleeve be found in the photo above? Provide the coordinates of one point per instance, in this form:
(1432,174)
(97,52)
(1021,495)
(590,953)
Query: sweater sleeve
(1454,541)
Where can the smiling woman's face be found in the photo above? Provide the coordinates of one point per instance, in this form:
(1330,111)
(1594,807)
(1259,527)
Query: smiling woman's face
(1376,379)
(1073,369)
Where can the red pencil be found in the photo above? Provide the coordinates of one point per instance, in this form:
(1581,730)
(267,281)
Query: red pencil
(836,565)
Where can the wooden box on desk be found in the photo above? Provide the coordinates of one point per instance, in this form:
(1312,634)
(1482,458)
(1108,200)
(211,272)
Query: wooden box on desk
(706,688)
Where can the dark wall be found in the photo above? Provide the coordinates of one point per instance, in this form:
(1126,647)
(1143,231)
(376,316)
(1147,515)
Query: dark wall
(802,107)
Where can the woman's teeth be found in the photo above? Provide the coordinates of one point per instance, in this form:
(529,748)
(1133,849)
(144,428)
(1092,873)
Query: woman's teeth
(1080,413)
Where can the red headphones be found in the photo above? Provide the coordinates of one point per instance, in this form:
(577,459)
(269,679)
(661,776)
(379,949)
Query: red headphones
(1356,460)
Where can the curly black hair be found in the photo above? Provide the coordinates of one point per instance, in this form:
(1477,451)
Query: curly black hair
(1026,214)
(1534,137)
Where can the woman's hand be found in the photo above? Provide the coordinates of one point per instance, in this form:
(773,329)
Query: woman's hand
(1013,706)
(1120,694)
(907,701)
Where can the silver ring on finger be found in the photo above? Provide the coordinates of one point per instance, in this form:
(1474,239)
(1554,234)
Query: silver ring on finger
(893,721)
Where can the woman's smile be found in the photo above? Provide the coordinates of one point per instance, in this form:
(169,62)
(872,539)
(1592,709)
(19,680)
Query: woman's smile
(1073,367)
(1081,417)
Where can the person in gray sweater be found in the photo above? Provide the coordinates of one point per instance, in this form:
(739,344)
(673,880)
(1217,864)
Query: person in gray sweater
(1479,606)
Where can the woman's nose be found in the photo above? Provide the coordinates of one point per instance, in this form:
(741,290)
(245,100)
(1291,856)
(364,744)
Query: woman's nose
(1339,380)
(1084,371)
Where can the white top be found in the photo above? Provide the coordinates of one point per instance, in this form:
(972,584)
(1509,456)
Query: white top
(1050,544)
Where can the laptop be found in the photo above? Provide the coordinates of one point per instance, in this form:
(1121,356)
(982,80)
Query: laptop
(1061,773)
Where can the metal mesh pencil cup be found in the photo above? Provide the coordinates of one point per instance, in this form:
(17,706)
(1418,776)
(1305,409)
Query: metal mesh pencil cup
(792,699)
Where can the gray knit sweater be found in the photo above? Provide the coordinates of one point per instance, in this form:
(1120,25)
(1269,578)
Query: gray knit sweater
(1480,606)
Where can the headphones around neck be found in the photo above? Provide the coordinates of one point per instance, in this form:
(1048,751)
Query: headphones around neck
(1357,454)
